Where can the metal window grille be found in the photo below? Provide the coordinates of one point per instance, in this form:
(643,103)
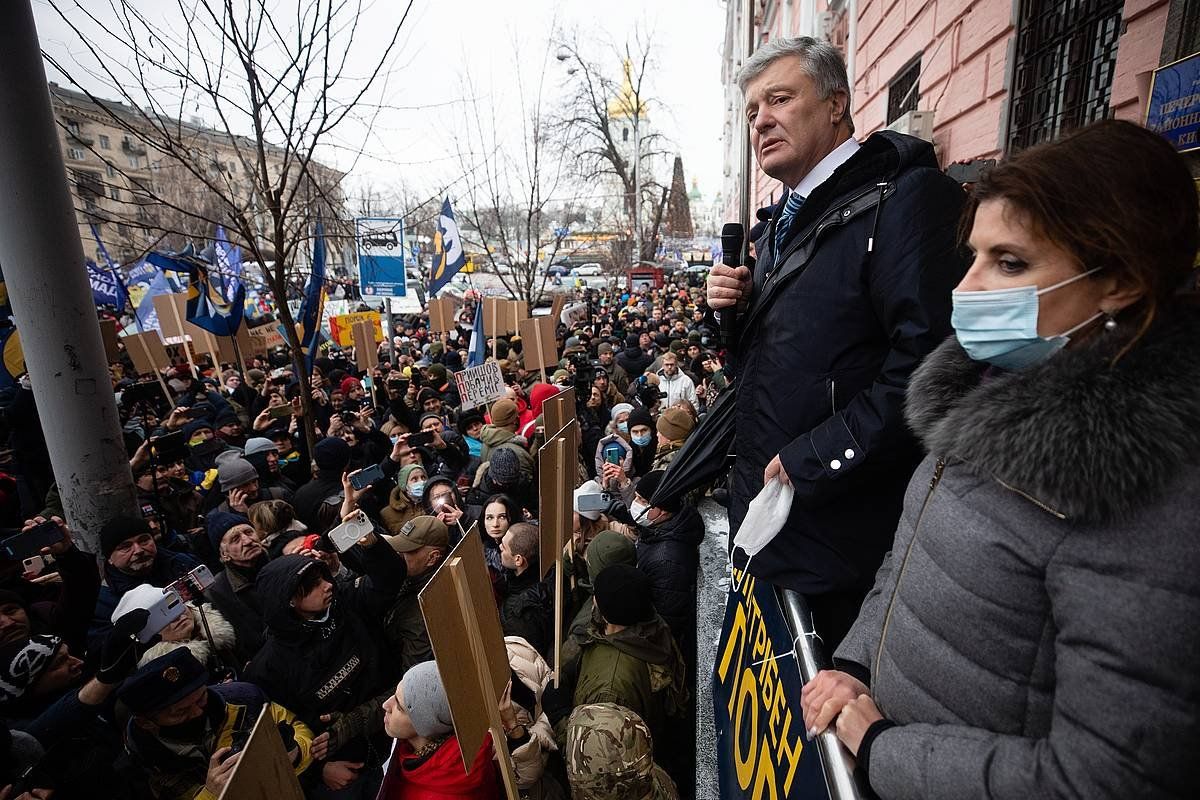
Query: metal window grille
(903,91)
(1066,53)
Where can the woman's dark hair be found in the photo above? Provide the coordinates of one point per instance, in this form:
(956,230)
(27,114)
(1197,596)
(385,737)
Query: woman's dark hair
(515,514)
(1113,195)
(435,480)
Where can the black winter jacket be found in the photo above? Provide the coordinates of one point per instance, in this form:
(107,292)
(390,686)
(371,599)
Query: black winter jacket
(668,553)
(836,325)
(314,668)
(527,609)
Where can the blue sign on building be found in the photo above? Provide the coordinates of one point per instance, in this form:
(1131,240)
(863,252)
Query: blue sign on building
(381,256)
(1174,108)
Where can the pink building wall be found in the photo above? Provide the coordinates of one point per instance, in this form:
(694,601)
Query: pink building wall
(964,47)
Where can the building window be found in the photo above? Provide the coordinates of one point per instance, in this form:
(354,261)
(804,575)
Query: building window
(104,142)
(110,170)
(72,127)
(904,91)
(123,229)
(75,153)
(624,134)
(114,193)
(1066,52)
(135,162)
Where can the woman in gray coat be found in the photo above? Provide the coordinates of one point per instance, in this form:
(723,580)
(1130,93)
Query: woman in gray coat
(1035,629)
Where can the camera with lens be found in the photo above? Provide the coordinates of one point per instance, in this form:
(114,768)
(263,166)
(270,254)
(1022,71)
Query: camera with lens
(585,371)
(646,393)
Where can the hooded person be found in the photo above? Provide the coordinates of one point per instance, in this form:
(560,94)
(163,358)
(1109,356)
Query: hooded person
(404,501)
(322,656)
(426,761)
(605,549)
(539,393)
(610,753)
(234,592)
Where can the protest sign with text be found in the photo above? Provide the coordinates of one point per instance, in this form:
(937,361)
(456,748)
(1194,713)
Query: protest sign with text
(480,385)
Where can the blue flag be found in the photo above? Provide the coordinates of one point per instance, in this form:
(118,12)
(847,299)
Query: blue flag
(228,261)
(314,301)
(207,308)
(477,352)
(156,284)
(448,256)
(107,290)
(113,288)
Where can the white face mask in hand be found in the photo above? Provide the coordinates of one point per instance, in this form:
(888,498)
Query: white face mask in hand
(764,519)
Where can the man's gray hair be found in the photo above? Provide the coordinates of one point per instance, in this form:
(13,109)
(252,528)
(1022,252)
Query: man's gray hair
(821,61)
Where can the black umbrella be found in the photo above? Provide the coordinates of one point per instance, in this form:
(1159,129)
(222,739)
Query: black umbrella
(704,457)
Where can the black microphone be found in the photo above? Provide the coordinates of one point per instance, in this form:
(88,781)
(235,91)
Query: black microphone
(732,237)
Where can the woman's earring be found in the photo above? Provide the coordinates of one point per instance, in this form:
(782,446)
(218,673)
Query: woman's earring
(1110,324)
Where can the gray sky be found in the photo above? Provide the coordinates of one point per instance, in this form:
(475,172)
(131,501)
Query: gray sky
(495,41)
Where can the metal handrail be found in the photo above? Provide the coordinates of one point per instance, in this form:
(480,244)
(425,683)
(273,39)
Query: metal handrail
(836,761)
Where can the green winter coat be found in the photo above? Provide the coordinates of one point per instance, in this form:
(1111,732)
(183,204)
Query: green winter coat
(493,438)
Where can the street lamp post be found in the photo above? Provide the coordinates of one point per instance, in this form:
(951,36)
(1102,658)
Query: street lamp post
(637,183)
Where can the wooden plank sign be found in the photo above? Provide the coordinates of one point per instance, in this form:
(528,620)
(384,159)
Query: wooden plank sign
(558,411)
(108,332)
(441,314)
(147,352)
(560,300)
(264,771)
(495,316)
(366,355)
(517,311)
(480,385)
(468,645)
(551,462)
(537,336)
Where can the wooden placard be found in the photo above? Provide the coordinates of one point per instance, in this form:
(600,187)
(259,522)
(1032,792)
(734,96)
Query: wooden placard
(365,354)
(147,351)
(495,316)
(559,410)
(517,311)
(468,645)
(537,339)
(108,332)
(560,300)
(172,311)
(551,461)
(203,341)
(245,342)
(441,314)
(264,771)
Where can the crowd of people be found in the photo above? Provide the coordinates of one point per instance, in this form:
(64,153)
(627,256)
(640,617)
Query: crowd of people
(102,681)
(982,405)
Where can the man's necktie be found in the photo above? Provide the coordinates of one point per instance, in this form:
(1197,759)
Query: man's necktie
(788,214)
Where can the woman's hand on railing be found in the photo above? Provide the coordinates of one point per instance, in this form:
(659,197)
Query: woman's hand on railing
(824,697)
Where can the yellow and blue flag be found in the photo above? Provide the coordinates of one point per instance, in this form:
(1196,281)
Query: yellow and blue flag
(448,255)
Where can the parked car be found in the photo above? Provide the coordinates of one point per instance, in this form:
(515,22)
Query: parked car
(588,270)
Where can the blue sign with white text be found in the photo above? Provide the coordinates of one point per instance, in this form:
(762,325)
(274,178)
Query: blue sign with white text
(381,256)
(1174,109)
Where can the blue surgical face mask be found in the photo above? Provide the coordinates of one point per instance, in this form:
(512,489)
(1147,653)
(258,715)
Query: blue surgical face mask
(416,490)
(642,441)
(1000,326)
(623,427)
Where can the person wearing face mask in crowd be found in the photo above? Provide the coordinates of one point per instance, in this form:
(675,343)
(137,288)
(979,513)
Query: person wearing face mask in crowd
(643,440)
(181,729)
(1030,628)
(404,502)
(615,446)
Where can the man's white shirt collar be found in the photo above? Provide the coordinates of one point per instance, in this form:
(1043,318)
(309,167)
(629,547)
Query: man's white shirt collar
(826,166)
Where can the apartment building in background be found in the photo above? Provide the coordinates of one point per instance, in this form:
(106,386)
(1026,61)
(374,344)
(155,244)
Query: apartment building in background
(978,78)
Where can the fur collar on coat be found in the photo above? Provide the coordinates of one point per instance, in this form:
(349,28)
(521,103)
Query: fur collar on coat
(1090,440)
(222,633)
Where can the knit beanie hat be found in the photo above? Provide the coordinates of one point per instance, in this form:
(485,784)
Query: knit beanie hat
(607,548)
(219,524)
(619,409)
(676,424)
(647,485)
(587,487)
(623,595)
(22,662)
(437,373)
(260,445)
(227,417)
(234,471)
(425,700)
(349,383)
(332,454)
(505,414)
(119,529)
(640,416)
(505,467)
(427,394)
(429,415)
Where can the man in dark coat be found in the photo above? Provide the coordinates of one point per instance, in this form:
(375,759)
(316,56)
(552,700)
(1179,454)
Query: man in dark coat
(633,359)
(850,291)
(527,607)
(422,543)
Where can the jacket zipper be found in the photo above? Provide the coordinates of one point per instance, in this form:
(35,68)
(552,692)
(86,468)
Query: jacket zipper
(938,469)
(832,397)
